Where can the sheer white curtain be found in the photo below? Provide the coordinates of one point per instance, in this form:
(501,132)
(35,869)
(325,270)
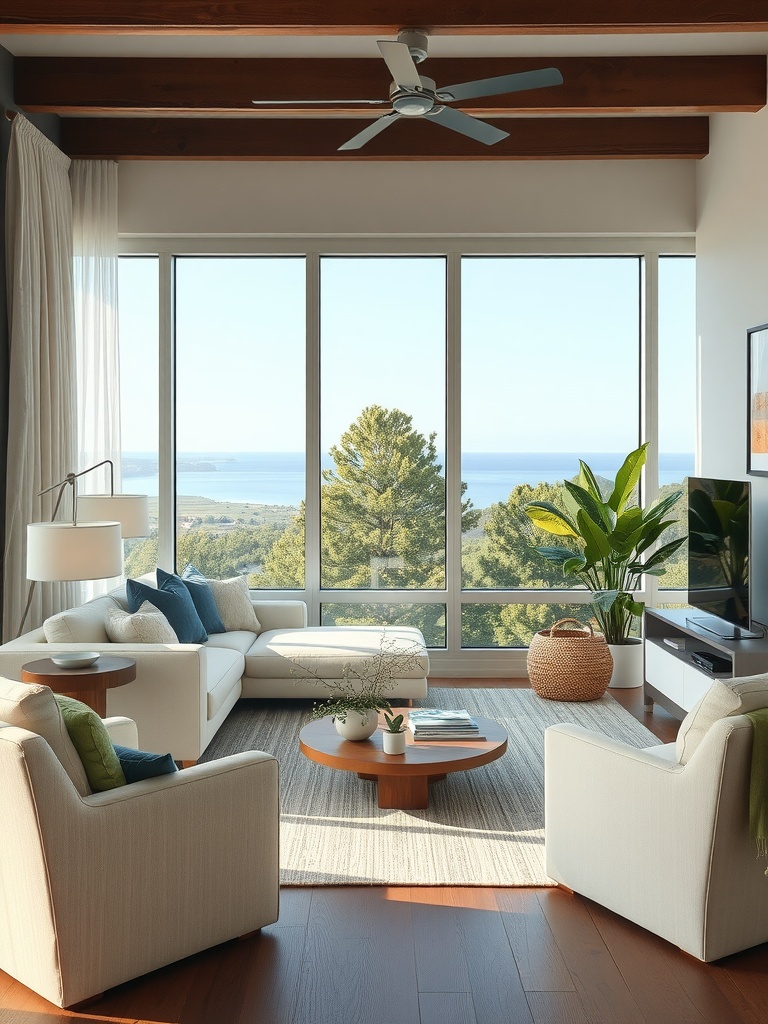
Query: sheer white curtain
(42,411)
(94,225)
(94,228)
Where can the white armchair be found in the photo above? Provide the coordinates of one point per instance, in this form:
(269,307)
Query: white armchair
(99,888)
(664,844)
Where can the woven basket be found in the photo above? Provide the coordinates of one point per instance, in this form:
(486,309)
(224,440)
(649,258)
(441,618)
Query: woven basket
(569,664)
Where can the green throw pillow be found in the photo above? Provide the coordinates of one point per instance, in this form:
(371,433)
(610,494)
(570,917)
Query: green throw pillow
(91,741)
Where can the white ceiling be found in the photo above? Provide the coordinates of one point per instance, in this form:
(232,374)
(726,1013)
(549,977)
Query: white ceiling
(72,45)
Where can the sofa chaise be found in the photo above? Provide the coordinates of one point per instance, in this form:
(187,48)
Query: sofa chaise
(183,692)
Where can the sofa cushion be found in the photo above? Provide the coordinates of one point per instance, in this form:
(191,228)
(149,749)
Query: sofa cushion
(34,708)
(203,599)
(138,765)
(724,698)
(241,640)
(281,653)
(223,672)
(233,601)
(86,624)
(146,626)
(172,598)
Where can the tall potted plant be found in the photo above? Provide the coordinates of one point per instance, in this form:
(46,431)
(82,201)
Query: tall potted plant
(612,549)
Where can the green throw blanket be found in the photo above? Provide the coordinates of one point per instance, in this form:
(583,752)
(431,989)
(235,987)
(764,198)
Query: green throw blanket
(758,786)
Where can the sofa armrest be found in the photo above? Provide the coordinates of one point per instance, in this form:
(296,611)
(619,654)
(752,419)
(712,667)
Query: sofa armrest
(280,614)
(123,731)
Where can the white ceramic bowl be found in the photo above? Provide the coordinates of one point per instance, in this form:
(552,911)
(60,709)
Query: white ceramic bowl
(78,659)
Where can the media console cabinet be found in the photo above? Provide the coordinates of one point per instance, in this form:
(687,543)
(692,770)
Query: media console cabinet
(672,678)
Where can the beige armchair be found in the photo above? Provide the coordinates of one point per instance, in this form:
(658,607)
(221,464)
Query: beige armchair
(663,843)
(99,888)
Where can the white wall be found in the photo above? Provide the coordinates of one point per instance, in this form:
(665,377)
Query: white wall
(732,295)
(627,197)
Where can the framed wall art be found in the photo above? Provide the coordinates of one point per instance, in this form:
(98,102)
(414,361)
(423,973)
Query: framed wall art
(757,400)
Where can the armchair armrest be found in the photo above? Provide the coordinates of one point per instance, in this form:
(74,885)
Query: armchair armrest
(123,731)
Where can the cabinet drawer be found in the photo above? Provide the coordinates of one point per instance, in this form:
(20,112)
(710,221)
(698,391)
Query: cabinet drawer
(695,685)
(666,672)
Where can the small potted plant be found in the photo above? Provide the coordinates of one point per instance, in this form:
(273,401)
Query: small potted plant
(394,734)
(355,700)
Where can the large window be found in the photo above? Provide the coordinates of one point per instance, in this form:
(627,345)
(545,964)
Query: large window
(138,322)
(240,417)
(363,430)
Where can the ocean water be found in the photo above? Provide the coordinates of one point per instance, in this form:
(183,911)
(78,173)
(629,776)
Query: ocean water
(277,478)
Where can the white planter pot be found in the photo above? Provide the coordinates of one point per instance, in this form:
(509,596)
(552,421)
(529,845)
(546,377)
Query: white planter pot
(394,742)
(357,725)
(627,664)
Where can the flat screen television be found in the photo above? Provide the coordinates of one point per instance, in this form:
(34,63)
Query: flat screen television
(719,555)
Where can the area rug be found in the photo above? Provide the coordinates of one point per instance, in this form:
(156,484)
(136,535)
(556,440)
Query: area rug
(482,827)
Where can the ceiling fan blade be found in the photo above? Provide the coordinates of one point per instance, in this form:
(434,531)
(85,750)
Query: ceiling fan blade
(315,103)
(371,131)
(458,121)
(400,63)
(501,84)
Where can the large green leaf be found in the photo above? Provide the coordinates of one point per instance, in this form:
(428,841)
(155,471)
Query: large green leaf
(559,555)
(588,481)
(605,599)
(574,565)
(627,477)
(598,512)
(664,553)
(549,517)
(660,508)
(651,534)
(627,532)
(596,546)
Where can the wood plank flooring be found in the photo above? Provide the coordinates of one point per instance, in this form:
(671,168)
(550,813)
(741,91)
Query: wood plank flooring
(444,955)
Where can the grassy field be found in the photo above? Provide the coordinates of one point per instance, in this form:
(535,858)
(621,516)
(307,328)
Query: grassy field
(241,514)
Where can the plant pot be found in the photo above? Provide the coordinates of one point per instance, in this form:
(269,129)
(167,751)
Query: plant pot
(627,664)
(358,725)
(394,742)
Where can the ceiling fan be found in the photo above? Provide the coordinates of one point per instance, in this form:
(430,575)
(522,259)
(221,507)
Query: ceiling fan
(414,95)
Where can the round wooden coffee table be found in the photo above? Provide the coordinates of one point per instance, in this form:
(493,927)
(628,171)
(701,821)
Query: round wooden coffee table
(89,684)
(403,779)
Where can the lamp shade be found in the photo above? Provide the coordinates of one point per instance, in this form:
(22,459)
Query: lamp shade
(65,551)
(130,510)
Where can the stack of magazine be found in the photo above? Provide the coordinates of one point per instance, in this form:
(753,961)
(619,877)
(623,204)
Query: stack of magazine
(434,724)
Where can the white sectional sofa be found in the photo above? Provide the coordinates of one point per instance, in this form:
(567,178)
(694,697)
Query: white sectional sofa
(183,692)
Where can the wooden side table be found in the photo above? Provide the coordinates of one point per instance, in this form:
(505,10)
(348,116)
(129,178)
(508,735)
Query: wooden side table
(89,684)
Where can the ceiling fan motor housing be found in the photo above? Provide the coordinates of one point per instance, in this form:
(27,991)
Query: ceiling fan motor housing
(413,102)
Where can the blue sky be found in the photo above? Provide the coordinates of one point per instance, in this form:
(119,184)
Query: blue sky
(549,359)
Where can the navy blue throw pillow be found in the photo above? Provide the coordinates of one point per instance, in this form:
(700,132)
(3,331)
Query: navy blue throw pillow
(174,601)
(203,599)
(138,764)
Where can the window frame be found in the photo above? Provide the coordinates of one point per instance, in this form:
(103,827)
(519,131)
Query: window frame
(453,660)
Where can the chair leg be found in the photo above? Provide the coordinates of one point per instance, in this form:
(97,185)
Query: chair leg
(187,764)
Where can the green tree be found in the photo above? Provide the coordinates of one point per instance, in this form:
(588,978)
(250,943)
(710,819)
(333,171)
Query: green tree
(383,506)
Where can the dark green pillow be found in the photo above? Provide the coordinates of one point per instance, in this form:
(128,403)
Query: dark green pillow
(138,764)
(91,741)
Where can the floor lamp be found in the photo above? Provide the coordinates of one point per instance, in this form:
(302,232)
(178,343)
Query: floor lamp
(85,550)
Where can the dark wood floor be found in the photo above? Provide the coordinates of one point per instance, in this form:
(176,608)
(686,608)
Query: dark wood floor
(436,956)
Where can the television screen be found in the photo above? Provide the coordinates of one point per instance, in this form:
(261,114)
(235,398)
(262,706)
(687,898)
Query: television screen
(718,549)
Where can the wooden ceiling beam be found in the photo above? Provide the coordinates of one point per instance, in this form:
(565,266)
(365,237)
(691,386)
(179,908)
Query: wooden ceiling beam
(602,85)
(353,17)
(306,139)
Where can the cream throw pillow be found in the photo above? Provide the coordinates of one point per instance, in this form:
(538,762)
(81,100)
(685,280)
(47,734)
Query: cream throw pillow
(85,624)
(724,698)
(146,626)
(233,602)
